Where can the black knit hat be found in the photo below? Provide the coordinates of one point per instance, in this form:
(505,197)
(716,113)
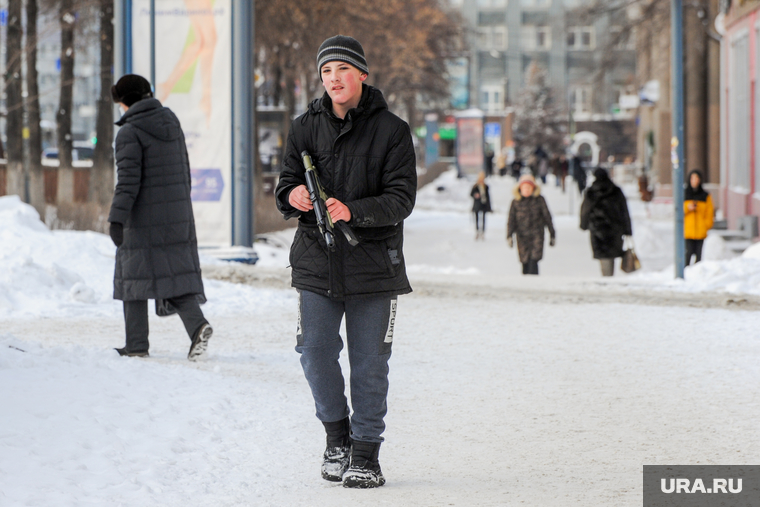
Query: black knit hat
(342,48)
(130,89)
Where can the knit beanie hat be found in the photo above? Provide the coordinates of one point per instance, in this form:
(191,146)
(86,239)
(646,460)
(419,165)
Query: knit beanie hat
(342,48)
(526,178)
(130,89)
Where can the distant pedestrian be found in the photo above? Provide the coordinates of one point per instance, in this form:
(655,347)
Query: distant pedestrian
(578,173)
(604,213)
(516,168)
(528,216)
(488,161)
(563,171)
(501,162)
(481,204)
(698,216)
(152,222)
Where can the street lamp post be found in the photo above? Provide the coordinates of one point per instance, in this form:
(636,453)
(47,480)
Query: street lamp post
(676,148)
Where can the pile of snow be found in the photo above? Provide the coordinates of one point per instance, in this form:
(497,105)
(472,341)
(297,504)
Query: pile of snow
(66,273)
(50,272)
(736,275)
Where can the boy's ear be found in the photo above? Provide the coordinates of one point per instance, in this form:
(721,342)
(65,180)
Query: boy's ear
(363,76)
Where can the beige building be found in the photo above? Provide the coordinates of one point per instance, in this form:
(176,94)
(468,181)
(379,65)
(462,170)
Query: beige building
(701,100)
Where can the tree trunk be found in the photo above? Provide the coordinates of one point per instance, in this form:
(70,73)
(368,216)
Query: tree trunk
(36,176)
(102,176)
(15,119)
(67,20)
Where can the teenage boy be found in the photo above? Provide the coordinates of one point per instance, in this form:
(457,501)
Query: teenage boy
(151,220)
(365,160)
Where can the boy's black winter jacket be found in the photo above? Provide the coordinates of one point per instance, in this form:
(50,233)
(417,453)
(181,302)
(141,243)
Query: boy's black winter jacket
(367,162)
(159,256)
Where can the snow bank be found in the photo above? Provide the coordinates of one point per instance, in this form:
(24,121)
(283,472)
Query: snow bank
(51,272)
(68,273)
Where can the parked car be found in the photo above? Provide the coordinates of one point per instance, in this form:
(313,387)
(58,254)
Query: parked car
(80,151)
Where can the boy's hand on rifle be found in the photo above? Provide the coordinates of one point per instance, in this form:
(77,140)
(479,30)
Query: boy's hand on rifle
(338,210)
(299,198)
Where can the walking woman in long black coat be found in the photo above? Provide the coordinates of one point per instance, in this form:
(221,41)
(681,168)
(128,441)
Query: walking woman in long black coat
(152,222)
(604,213)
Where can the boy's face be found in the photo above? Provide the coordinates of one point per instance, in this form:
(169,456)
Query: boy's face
(343,82)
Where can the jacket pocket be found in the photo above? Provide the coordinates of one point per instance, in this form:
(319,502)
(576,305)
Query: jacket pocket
(308,254)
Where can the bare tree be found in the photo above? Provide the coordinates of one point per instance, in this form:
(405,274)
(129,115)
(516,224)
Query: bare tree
(539,121)
(14,101)
(67,19)
(102,176)
(32,105)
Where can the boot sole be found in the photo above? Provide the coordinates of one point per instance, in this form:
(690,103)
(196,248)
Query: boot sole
(199,347)
(362,481)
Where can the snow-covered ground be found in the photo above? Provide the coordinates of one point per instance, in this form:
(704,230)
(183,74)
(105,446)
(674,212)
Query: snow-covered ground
(505,389)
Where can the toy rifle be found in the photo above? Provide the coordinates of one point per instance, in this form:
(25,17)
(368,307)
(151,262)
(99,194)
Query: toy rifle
(318,197)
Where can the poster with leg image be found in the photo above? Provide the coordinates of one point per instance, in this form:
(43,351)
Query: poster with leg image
(193,48)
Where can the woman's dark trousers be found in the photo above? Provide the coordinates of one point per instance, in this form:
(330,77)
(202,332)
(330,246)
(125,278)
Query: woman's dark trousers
(478,215)
(694,247)
(136,319)
(530,267)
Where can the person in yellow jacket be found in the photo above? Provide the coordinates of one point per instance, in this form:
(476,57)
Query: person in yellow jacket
(698,216)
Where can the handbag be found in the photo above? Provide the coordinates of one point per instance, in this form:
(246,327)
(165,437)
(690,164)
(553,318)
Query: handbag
(630,261)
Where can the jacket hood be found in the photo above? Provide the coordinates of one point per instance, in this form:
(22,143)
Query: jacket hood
(372,101)
(518,195)
(602,185)
(151,117)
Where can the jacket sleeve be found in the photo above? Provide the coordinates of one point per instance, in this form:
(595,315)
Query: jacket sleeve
(709,214)
(686,209)
(547,217)
(291,176)
(512,220)
(398,183)
(129,174)
(585,212)
(626,217)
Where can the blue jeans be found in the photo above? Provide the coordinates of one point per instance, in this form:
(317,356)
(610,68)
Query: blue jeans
(369,336)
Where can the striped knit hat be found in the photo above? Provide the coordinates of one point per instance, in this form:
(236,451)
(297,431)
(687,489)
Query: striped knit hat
(342,48)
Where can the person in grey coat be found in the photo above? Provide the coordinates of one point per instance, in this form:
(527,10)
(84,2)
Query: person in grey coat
(151,221)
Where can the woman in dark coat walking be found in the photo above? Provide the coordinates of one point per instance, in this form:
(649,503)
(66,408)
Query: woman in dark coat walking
(151,220)
(481,204)
(604,213)
(528,215)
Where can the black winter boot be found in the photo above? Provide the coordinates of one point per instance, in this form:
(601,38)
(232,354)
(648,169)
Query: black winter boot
(338,452)
(364,471)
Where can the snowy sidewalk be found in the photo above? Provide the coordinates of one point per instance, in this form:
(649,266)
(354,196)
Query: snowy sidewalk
(490,404)
(505,389)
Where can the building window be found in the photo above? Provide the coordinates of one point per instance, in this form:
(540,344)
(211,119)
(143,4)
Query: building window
(492,4)
(623,40)
(492,98)
(492,18)
(492,38)
(536,38)
(581,38)
(739,114)
(580,101)
(535,4)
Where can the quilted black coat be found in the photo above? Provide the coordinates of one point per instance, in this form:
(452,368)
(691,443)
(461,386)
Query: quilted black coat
(604,213)
(366,161)
(159,256)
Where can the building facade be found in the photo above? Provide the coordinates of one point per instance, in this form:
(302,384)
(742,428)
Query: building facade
(589,71)
(740,101)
